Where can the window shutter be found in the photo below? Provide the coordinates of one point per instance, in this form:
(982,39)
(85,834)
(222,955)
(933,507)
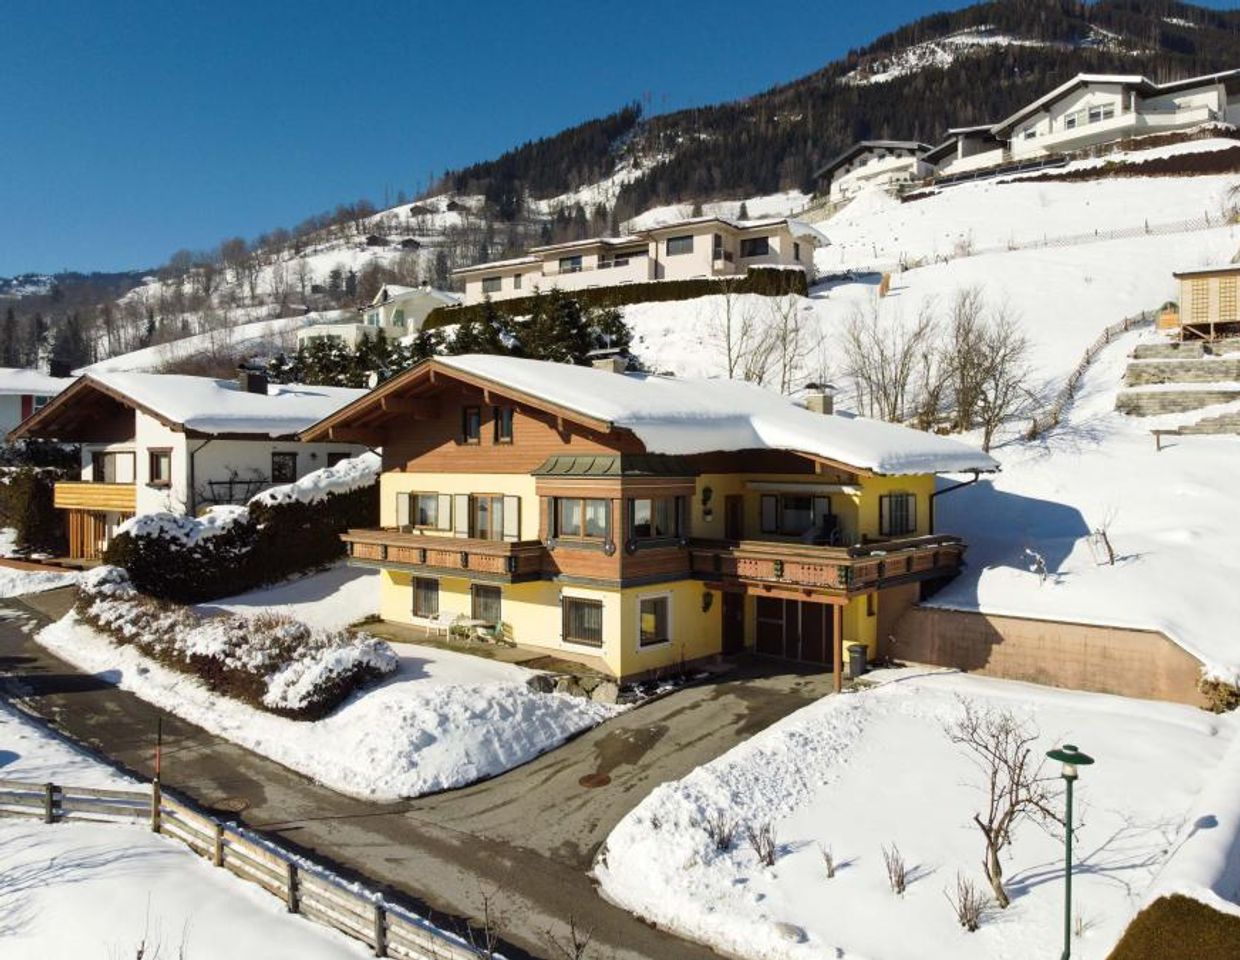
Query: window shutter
(444,514)
(460,514)
(512,518)
(770,513)
(402,509)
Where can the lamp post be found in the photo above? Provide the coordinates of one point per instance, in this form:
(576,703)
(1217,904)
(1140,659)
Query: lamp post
(1071,758)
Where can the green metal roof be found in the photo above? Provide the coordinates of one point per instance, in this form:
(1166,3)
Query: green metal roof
(616,465)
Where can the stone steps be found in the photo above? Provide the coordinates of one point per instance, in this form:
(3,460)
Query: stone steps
(1155,403)
(1194,350)
(1208,370)
(1225,423)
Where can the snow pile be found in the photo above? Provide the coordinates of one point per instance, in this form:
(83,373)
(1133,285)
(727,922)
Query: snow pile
(122,884)
(858,772)
(16,582)
(442,720)
(676,416)
(269,659)
(344,477)
(183,529)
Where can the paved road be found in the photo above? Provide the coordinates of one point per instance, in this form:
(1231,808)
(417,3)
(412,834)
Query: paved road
(528,836)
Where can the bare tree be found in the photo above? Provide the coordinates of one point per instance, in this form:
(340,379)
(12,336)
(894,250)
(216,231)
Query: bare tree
(881,358)
(968,902)
(1001,746)
(304,275)
(966,347)
(1005,375)
(484,931)
(741,334)
(278,282)
(573,945)
(793,337)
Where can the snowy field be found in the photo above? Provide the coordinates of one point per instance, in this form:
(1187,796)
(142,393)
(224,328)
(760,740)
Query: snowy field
(444,719)
(860,771)
(97,890)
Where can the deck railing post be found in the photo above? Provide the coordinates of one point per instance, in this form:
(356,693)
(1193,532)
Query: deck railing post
(217,853)
(380,930)
(49,803)
(156,800)
(290,878)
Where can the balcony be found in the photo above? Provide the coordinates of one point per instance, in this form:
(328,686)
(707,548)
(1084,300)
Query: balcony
(97,496)
(844,571)
(500,561)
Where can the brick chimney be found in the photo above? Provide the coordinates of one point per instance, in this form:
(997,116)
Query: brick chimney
(616,364)
(252,381)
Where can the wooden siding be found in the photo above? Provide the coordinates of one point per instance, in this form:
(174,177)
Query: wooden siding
(85,495)
(434,445)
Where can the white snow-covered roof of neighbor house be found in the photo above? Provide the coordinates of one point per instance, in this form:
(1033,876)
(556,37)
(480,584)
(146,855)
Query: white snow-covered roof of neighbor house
(683,416)
(391,291)
(497,264)
(1205,271)
(207,405)
(22,381)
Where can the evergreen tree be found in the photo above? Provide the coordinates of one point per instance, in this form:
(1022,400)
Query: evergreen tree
(10,353)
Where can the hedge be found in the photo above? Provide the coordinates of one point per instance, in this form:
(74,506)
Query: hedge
(26,495)
(262,543)
(1180,927)
(764,281)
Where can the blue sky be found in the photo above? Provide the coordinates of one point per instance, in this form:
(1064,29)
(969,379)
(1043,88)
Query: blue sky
(132,129)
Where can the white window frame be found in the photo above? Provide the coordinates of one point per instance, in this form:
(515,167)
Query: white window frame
(671,611)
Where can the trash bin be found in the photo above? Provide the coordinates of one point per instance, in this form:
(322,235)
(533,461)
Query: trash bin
(856,660)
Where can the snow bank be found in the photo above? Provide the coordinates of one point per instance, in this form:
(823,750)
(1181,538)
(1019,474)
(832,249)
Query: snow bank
(443,720)
(856,772)
(344,477)
(15,583)
(184,529)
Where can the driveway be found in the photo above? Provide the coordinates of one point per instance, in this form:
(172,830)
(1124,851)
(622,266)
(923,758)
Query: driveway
(525,838)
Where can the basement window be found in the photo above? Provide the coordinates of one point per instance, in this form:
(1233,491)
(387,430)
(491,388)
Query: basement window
(583,621)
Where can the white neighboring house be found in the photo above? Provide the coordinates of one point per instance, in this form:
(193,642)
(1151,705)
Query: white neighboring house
(697,248)
(155,442)
(867,163)
(23,391)
(397,311)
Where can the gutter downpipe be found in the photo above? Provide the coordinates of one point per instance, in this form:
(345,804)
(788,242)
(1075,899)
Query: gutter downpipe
(191,495)
(955,486)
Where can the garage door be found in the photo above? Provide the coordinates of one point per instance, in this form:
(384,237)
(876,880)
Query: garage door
(794,630)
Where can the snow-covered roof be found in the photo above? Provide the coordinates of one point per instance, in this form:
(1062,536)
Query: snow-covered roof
(210,406)
(21,381)
(391,291)
(590,242)
(682,416)
(1207,271)
(911,147)
(497,264)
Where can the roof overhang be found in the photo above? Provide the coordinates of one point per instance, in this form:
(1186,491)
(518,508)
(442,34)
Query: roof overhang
(75,406)
(913,148)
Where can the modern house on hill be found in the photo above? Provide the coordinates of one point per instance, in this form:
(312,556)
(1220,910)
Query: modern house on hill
(871,163)
(155,442)
(702,247)
(1086,112)
(397,311)
(23,391)
(637,522)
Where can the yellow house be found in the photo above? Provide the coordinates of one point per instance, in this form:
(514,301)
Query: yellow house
(638,523)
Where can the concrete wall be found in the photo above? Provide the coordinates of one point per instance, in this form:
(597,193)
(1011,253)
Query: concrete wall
(1131,663)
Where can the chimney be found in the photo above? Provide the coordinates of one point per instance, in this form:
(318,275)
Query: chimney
(58,368)
(612,364)
(820,398)
(252,381)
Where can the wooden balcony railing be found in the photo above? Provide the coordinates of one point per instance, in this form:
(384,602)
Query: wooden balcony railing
(98,496)
(844,570)
(509,561)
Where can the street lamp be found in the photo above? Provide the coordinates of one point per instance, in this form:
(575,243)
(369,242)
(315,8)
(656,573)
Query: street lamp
(1071,758)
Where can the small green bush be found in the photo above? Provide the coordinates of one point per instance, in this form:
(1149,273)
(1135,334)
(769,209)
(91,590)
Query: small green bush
(765,281)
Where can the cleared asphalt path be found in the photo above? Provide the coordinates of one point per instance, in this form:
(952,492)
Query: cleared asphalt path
(526,838)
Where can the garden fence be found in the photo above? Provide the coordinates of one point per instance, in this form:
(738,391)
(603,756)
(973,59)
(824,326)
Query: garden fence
(304,886)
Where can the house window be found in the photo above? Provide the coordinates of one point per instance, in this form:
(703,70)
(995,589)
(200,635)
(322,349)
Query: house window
(1102,112)
(425,509)
(654,519)
(583,621)
(570,264)
(337,456)
(491,284)
(796,250)
(398,318)
(1029,134)
(159,467)
(41,402)
(484,601)
(675,246)
(755,247)
(516,281)
(795,514)
(502,417)
(897,514)
(654,621)
(471,425)
(488,517)
(425,597)
(108,467)
(717,247)
(283,467)
(584,518)
(372,318)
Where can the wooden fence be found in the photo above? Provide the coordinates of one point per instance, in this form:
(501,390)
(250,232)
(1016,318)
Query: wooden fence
(304,887)
(1051,416)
